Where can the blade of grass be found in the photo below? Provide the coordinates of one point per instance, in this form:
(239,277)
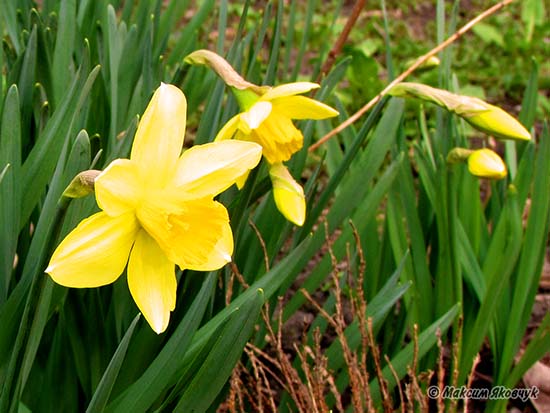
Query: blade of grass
(103,391)
(218,365)
(64,46)
(157,378)
(10,194)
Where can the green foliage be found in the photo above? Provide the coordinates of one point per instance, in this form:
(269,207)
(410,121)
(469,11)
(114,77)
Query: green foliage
(76,75)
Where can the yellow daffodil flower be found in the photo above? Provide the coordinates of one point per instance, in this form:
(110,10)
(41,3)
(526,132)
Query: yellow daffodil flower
(485,163)
(157,211)
(266,118)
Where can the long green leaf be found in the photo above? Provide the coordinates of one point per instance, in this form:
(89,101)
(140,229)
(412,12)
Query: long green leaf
(218,365)
(103,391)
(10,191)
(64,46)
(159,375)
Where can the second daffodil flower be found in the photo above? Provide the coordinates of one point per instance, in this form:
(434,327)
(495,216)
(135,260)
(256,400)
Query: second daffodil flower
(266,118)
(157,210)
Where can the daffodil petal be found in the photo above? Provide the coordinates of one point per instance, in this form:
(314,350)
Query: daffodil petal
(229,129)
(288,89)
(206,170)
(288,194)
(190,235)
(95,252)
(254,117)
(159,137)
(152,281)
(221,254)
(241,180)
(118,187)
(300,107)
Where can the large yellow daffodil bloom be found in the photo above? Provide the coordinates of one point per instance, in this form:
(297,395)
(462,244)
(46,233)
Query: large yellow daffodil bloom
(157,211)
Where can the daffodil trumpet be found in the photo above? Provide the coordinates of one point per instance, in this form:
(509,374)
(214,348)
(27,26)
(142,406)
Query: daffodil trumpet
(266,118)
(157,211)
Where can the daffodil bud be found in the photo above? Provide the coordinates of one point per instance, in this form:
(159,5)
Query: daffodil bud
(222,68)
(82,184)
(289,196)
(478,113)
(485,163)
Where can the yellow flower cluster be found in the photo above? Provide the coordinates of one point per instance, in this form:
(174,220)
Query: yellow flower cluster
(158,208)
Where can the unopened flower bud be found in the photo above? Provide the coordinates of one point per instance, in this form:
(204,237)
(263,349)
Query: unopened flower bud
(82,184)
(478,113)
(485,163)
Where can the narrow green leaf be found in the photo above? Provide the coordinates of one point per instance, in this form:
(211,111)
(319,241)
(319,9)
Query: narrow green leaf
(497,267)
(532,255)
(530,97)
(39,165)
(25,80)
(218,365)
(78,160)
(161,372)
(369,204)
(64,46)
(8,11)
(10,194)
(103,391)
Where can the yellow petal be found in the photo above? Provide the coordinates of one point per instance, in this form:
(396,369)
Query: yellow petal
(221,254)
(279,138)
(152,282)
(206,170)
(485,163)
(289,89)
(300,107)
(95,252)
(498,123)
(190,233)
(119,188)
(229,129)
(254,117)
(241,181)
(288,194)
(159,138)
